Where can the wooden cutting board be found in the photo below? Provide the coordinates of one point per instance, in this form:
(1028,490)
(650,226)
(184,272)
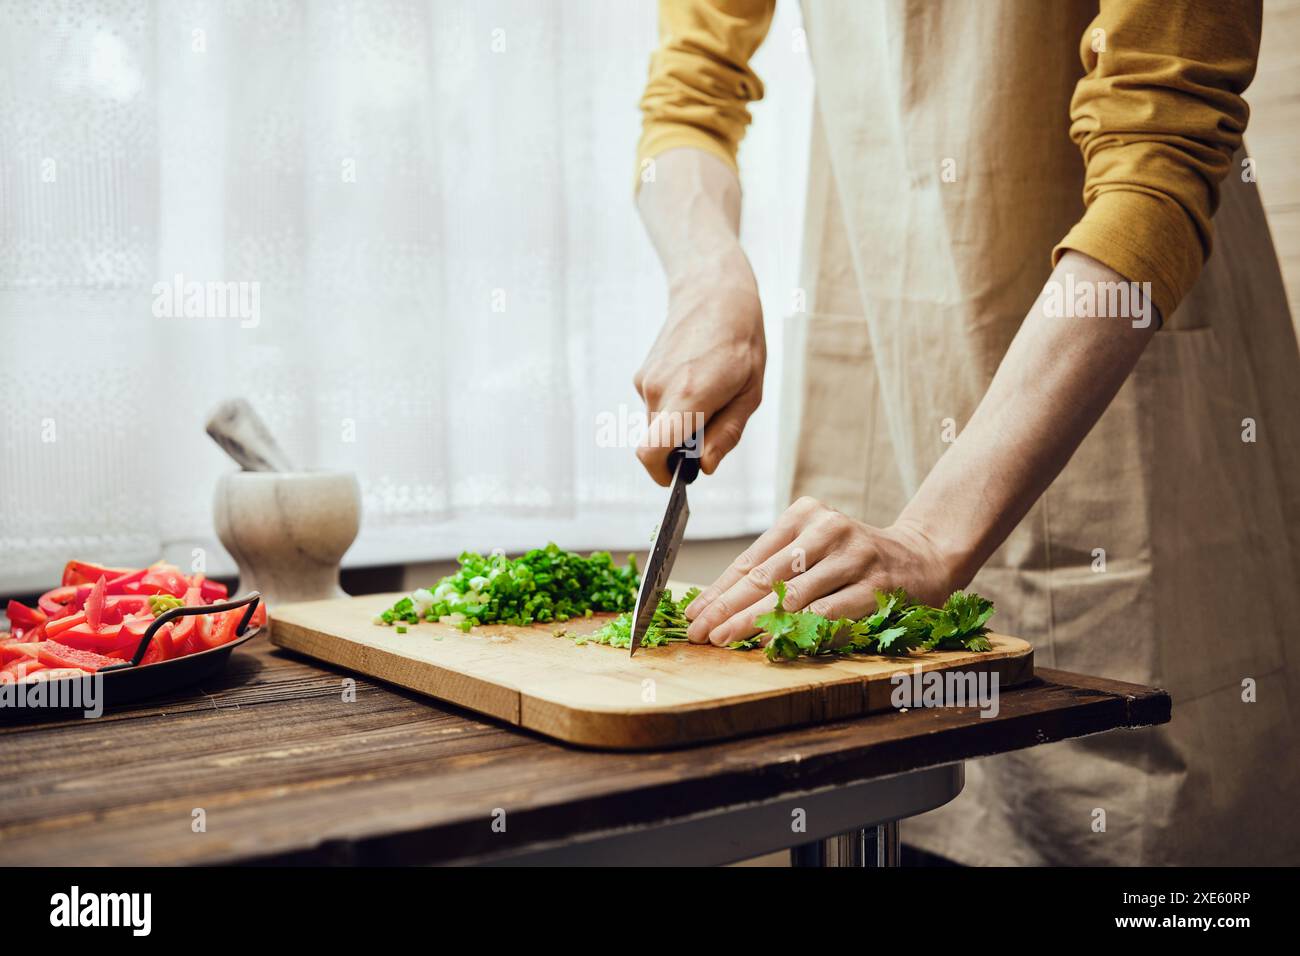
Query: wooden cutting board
(595,695)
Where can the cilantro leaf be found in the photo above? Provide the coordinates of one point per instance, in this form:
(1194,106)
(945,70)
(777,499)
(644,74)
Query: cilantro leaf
(897,627)
(959,624)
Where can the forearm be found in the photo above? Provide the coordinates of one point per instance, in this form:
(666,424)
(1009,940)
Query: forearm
(691,211)
(706,366)
(1056,379)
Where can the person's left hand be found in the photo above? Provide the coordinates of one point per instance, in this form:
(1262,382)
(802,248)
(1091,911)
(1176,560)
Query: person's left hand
(831,564)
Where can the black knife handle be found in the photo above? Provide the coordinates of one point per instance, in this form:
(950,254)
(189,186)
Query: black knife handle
(690,462)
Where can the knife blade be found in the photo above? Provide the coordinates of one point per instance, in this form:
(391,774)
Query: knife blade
(668,538)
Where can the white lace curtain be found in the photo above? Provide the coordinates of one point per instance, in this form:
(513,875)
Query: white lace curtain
(434,202)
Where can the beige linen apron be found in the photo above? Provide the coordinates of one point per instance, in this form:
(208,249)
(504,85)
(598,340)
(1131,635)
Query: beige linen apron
(916,286)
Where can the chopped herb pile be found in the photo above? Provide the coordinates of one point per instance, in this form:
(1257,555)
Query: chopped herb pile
(544,585)
(897,626)
(668,626)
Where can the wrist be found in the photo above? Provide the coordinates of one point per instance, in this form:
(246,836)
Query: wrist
(952,561)
(710,267)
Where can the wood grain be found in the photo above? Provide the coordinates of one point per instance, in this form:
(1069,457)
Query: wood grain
(597,696)
(290,768)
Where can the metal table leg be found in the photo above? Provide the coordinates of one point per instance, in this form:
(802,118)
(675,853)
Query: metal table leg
(869,846)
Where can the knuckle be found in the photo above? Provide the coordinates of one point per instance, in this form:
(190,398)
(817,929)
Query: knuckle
(760,575)
(875,581)
(793,597)
(719,610)
(821,606)
(858,545)
(835,522)
(707,596)
(743,562)
(824,524)
(806,505)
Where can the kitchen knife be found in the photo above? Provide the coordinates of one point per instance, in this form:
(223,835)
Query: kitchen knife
(685,467)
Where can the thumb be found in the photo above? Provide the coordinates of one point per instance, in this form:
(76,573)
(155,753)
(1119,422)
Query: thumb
(725,428)
(671,427)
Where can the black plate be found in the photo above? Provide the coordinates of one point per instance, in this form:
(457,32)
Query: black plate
(132,681)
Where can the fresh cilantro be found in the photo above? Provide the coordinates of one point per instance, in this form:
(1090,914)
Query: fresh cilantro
(794,633)
(897,627)
(959,624)
(667,626)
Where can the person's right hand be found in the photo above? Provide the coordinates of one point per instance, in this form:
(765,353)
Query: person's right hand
(706,366)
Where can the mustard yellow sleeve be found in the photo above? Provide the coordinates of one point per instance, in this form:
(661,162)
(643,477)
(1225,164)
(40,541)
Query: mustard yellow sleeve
(1158,116)
(700,83)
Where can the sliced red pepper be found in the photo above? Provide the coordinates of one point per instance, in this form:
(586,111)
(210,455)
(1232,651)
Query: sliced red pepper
(129,603)
(63,602)
(83,572)
(133,631)
(28,637)
(229,631)
(213,591)
(101,640)
(161,646)
(54,654)
(52,628)
(184,635)
(163,579)
(17,651)
(122,582)
(24,617)
(17,670)
(200,636)
(95,603)
(55,603)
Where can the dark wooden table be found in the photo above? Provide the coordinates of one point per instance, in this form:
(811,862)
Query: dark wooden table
(279,767)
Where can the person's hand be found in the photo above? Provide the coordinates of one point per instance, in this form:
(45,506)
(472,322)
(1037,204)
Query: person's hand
(831,564)
(706,367)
